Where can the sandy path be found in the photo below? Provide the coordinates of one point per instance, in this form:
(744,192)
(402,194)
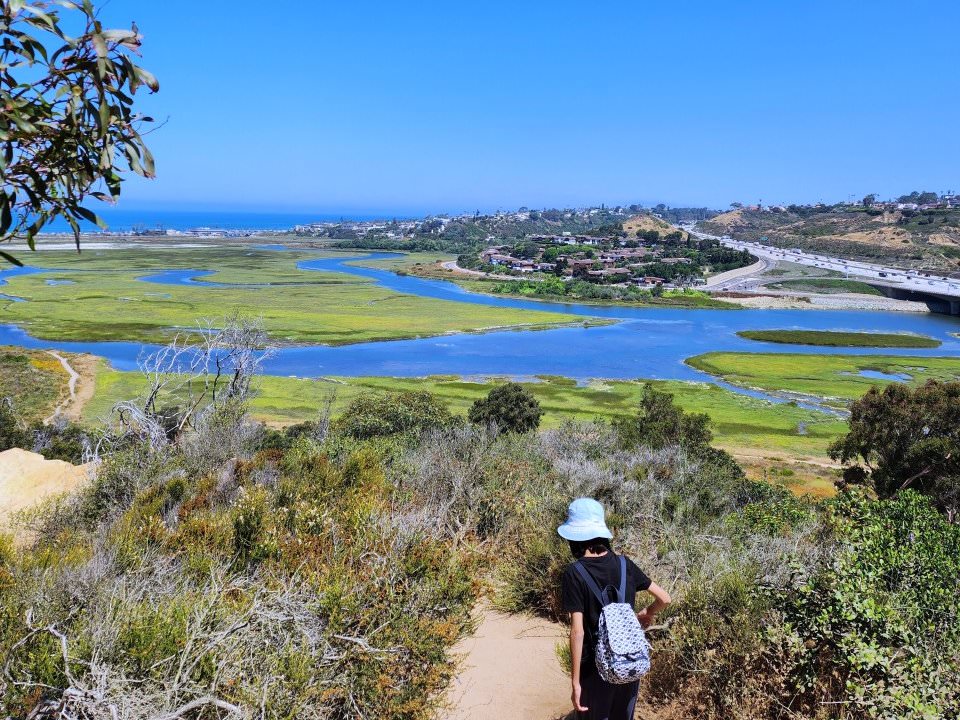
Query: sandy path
(510,670)
(72,386)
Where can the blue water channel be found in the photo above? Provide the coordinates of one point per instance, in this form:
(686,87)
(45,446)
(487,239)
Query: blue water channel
(642,342)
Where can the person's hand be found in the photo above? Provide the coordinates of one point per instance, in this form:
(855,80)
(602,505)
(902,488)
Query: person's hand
(645,617)
(575,698)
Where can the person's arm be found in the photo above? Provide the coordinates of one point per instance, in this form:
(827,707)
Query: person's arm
(576,653)
(661,598)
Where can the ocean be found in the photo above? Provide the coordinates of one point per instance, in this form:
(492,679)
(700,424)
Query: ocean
(122,220)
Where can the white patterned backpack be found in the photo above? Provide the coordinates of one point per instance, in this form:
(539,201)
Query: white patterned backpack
(623,653)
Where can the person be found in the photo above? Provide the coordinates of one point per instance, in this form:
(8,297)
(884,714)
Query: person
(586,531)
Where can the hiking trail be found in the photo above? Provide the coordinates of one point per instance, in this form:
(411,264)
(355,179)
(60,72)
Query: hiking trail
(80,387)
(509,669)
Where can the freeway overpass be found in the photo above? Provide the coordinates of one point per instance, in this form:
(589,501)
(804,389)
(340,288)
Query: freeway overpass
(940,293)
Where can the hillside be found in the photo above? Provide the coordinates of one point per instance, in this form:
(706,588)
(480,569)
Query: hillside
(648,222)
(914,238)
(33,381)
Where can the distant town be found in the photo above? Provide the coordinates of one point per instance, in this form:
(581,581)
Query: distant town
(636,245)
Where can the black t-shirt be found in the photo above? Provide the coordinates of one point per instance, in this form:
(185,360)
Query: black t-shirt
(605,570)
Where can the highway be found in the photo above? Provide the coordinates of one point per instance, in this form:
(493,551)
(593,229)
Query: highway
(876,274)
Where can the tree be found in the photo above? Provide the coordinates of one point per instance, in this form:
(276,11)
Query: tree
(920,198)
(901,438)
(510,407)
(68,123)
(869,200)
(660,422)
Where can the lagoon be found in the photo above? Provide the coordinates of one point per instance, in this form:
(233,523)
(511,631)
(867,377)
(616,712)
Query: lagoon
(642,342)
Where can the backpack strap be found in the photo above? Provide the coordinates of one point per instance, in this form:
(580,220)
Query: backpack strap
(591,583)
(623,579)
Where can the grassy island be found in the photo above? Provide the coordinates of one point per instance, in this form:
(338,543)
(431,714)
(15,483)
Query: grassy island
(828,338)
(836,379)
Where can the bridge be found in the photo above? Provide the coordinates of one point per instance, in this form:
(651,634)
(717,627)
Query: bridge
(937,302)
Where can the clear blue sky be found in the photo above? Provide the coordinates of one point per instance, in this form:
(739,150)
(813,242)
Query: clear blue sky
(444,106)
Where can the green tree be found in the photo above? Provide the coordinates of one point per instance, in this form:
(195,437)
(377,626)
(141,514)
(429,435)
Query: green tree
(510,407)
(869,200)
(552,253)
(660,422)
(380,414)
(68,128)
(902,437)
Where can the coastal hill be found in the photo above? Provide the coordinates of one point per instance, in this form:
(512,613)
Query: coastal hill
(646,222)
(926,238)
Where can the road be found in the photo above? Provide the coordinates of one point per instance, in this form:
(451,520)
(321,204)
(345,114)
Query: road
(876,274)
(737,279)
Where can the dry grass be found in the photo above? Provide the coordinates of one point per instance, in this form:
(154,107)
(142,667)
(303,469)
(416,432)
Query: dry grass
(648,222)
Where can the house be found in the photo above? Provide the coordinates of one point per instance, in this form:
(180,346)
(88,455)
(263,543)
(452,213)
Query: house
(609,273)
(525,266)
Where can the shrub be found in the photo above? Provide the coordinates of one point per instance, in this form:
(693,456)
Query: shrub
(879,625)
(510,407)
(167,587)
(13,433)
(660,422)
(61,441)
(381,414)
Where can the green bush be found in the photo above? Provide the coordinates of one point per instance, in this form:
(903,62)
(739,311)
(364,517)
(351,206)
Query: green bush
(380,414)
(510,407)
(883,615)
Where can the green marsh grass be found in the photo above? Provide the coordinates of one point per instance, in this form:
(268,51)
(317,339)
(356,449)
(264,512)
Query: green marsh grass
(828,338)
(106,301)
(738,421)
(834,378)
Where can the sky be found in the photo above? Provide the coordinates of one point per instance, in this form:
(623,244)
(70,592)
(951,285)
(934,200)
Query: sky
(409,108)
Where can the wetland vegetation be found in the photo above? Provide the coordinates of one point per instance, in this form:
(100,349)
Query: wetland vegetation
(829,338)
(106,300)
(836,379)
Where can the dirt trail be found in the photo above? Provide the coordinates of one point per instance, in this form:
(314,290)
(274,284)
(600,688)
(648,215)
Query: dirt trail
(81,386)
(510,669)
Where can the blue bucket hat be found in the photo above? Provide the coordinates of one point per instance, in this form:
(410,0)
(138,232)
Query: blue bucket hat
(584,521)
